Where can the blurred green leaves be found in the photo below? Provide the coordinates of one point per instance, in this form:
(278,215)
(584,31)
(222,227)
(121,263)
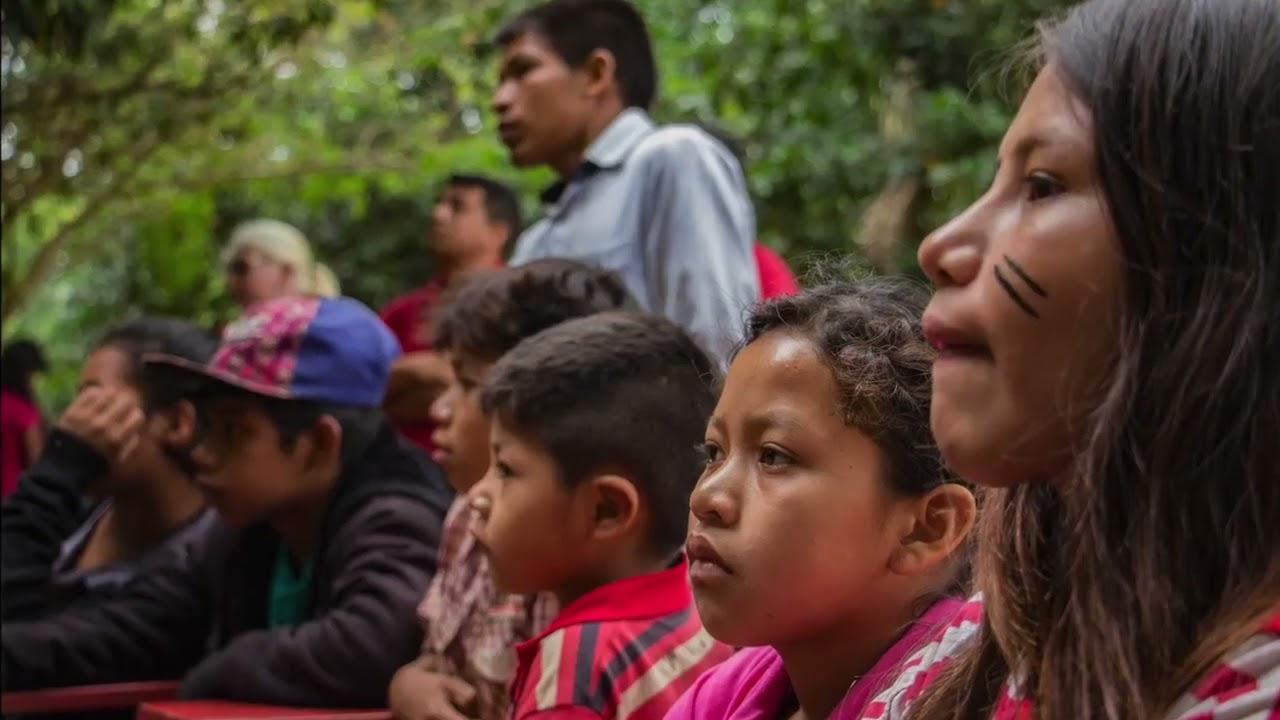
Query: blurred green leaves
(136,133)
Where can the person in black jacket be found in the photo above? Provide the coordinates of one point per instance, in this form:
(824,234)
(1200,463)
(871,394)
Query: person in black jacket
(305,594)
(111,494)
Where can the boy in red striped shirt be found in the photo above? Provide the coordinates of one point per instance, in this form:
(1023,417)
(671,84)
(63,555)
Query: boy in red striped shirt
(595,427)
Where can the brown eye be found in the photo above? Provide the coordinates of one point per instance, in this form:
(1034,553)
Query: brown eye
(774,458)
(710,453)
(1040,187)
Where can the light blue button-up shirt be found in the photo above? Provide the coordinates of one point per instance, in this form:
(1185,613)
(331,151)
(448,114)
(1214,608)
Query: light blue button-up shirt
(667,209)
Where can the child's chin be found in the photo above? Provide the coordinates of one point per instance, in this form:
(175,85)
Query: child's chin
(722,624)
(504,584)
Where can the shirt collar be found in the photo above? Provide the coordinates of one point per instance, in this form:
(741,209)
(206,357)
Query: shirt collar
(634,598)
(619,138)
(609,150)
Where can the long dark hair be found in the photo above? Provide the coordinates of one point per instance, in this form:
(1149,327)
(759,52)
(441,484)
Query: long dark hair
(1110,596)
(19,362)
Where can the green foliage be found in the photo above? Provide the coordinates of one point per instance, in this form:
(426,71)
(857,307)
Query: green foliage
(138,132)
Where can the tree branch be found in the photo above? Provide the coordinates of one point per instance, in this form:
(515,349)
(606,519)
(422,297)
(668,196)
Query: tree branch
(17,294)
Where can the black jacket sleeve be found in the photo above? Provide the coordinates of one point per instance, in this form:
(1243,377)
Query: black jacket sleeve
(384,556)
(46,508)
(154,630)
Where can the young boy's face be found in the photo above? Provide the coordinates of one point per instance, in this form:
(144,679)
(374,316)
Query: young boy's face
(241,465)
(792,505)
(535,526)
(462,428)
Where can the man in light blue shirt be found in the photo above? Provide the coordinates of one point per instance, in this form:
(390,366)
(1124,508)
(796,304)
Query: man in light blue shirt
(666,208)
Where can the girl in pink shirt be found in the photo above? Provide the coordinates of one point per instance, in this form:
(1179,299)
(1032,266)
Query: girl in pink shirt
(825,534)
(21,427)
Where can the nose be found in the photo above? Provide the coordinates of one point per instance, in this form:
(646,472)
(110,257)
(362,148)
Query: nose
(440,213)
(714,501)
(503,97)
(480,496)
(952,254)
(441,410)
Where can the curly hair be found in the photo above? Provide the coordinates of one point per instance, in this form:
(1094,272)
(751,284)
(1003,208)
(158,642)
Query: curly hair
(491,313)
(869,333)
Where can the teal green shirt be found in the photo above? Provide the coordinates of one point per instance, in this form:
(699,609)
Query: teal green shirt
(290,603)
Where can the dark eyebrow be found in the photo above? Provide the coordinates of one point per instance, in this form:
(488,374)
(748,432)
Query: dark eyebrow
(717,423)
(516,62)
(774,419)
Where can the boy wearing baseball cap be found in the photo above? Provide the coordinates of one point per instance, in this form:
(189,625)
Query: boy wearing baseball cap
(306,596)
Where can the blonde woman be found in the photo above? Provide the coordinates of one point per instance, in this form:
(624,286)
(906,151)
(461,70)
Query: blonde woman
(267,259)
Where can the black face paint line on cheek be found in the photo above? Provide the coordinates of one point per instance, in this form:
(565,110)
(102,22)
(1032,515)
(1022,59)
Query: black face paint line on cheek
(1036,287)
(1013,294)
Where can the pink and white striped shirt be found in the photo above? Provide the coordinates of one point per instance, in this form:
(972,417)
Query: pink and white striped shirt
(1244,686)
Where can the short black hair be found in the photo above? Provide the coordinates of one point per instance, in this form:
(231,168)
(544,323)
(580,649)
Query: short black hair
(616,392)
(489,313)
(576,28)
(160,335)
(500,202)
(19,361)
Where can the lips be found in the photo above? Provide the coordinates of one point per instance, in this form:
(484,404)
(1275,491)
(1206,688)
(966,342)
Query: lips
(442,451)
(705,564)
(952,341)
(509,132)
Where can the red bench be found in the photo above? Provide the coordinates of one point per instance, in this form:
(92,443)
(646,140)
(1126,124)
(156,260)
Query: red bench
(86,698)
(219,710)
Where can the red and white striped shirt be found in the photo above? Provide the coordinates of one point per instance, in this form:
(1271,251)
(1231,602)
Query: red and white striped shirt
(624,651)
(1244,686)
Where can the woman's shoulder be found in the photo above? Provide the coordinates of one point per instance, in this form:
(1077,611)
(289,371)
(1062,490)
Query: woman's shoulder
(1245,684)
(922,667)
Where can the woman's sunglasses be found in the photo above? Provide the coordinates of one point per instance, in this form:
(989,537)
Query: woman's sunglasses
(238,268)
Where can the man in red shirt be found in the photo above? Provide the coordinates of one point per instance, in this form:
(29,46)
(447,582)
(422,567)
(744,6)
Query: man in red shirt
(471,223)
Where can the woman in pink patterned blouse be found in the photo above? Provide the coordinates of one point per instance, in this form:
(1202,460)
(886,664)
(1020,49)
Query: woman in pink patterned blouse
(1108,324)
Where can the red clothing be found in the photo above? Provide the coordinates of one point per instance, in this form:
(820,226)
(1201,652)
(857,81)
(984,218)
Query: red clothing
(625,650)
(776,278)
(409,318)
(470,630)
(17,417)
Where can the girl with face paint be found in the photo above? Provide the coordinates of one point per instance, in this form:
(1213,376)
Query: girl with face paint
(1107,324)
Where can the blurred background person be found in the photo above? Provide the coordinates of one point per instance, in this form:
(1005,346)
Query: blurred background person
(269,259)
(121,443)
(21,426)
(664,207)
(472,221)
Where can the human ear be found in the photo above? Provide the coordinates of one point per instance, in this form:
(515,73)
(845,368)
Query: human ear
(177,424)
(321,446)
(600,70)
(615,505)
(939,524)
